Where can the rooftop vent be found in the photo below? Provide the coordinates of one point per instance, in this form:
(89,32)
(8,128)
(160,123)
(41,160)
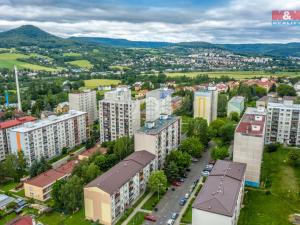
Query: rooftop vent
(255,127)
(258,118)
(149,124)
(163,116)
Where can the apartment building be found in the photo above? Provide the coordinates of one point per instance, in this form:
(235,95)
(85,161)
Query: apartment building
(107,197)
(47,137)
(283,122)
(220,199)
(85,101)
(206,104)
(249,143)
(4,133)
(40,187)
(119,115)
(158,102)
(159,137)
(235,104)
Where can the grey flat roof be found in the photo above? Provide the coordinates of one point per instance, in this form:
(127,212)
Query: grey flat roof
(160,124)
(238,99)
(221,189)
(120,174)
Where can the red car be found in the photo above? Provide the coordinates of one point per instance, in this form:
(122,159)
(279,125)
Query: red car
(150,217)
(176,183)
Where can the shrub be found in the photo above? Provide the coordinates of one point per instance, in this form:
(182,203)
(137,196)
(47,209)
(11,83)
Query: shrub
(272,147)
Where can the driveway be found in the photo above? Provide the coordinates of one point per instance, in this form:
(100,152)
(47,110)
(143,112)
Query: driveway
(170,202)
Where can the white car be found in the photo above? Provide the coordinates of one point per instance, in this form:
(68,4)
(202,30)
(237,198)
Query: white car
(170,222)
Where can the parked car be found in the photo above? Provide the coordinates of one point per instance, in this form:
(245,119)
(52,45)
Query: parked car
(182,201)
(194,160)
(150,217)
(170,222)
(188,169)
(187,195)
(213,162)
(209,166)
(174,216)
(184,175)
(176,183)
(205,173)
(181,179)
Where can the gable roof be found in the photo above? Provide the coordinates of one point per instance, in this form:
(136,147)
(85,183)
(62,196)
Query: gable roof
(122,172)
(221,189)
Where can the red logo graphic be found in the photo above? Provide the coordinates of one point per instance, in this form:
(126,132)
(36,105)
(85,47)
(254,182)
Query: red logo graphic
(285,15)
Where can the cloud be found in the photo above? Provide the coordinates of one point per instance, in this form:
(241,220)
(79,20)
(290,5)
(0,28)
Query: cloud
(236,21)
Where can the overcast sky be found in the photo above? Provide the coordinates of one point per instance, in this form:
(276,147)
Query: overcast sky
(217,21)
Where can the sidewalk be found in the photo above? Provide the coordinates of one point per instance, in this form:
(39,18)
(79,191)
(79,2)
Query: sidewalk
(138,208)
(177,222)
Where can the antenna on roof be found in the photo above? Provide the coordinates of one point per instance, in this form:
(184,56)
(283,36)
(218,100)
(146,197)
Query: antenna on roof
(18,89)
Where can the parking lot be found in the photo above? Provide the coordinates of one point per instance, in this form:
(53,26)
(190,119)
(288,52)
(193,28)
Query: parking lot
(170,202)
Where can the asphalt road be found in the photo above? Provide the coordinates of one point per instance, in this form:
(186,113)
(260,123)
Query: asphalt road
(170,202)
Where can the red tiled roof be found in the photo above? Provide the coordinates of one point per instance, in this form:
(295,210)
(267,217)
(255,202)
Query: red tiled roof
(52,175)
(25,220)
(247,123)
(16,122)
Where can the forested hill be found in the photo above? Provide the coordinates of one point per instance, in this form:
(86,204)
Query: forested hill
(29,35)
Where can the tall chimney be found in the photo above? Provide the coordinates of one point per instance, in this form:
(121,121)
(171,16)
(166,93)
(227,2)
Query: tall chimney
(18,89)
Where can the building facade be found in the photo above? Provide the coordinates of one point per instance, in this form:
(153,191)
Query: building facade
(158,102)
(249,143)
(206,104)
(220,199)
(235,104)
(4,133)
(159,137)
(40,187)
(119,115)
(283,123)
(47,137)
(109,195)
(85,101)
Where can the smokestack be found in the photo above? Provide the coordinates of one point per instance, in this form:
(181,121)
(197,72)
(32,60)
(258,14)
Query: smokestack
(18,89)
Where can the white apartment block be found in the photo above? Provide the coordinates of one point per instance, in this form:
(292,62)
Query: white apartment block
(4,133)
(220,199)
(158,102)
(249,143)
(119,115)
(47,137)
(159,137)
(109,195)
(283,123)
(85,101)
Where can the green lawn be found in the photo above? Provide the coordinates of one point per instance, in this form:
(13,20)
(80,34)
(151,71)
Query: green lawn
(94,83)
(72,54)
(279,196)
(187,216)
(7,218)
(8,186)
(234,74)
(137,219)
(81,63)
(8,60)
(152,202)
(55,218)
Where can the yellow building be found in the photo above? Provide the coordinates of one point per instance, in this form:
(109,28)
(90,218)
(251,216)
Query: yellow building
(108,196)
(62,107)
(206,104)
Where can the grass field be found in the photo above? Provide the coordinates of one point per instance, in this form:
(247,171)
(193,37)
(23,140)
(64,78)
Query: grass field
(234,74)
(8,186)
(55,218)
(8,60)
(137,219)
(72,54)
(274,204)
(94,83)
(81,63)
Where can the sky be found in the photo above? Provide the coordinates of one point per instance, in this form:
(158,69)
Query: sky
(215,21)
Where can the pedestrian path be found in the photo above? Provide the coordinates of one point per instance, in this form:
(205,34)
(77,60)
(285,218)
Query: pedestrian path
(138,209)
